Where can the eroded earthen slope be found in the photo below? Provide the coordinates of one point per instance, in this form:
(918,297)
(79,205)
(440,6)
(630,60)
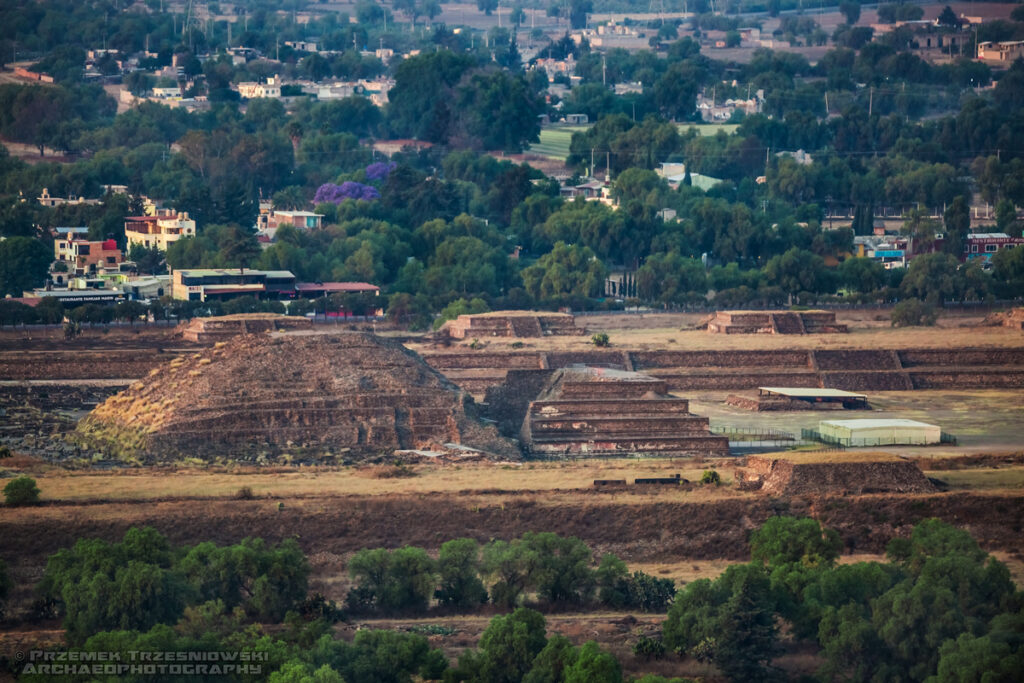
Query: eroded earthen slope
(352,395)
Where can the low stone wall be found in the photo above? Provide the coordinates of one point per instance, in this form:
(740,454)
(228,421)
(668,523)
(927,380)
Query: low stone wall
(867,381)
(856,360)
(971,379)
(960,358)
(647,360)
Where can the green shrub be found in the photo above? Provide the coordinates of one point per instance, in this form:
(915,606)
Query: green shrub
(600,339)
(5,452)
(649,648)
(21,491)
(913,313)
(710,477)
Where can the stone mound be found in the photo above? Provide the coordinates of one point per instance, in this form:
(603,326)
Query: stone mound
(584,411)
(775,322)
(511,324)
(349,395)
(224,327)
(1012,318)
(811,474)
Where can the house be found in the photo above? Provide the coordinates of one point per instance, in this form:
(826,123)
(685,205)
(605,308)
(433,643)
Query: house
(983,244)
(83,256)
(228,283)
(390,147)
(303,45)
(251,90)
(1005,51)
(675,174)
(631,88)
(158,231)
(892,251)
(268,223)
(79,232)
(576,119)
(146,287)
(45,199)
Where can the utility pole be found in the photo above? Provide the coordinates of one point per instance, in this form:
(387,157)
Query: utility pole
(871,100)
(604,71)
(591,162)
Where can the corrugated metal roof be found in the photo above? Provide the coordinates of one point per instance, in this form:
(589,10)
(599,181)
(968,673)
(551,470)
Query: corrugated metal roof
(876,423)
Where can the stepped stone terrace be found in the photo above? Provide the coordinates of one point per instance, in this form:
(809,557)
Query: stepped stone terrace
(511,324)
(775,322)
(587,411)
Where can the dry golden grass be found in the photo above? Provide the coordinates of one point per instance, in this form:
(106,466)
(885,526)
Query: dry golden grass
(986,478)
(145,484)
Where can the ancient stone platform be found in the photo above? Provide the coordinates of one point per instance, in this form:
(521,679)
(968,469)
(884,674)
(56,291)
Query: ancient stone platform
(346,396)
(840,472)
(775,322)
(587,411)
(511,324)
(226,326)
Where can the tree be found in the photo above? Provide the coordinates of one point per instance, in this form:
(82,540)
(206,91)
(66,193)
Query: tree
(563,572)
(798,271)
(593,665)
(511,565)
(948,17)
(21,491)
(670,278)
(997,656)
(23,264)
(148,260)
(487,6)
(126,585)
(934,278)
(784,540)
(458,565)
(728,622)
(1008,269)
(565,271)
(497,110)
(509,645)
(862,274)
(401,579)
(850,9)
(957,223)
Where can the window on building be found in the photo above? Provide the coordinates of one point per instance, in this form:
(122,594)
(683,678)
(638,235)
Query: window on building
(989,248)
(974,248)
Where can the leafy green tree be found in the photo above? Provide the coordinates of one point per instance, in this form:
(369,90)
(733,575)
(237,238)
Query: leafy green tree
(934,278)
(127,585)
(509,645)
(850,9)
(551,663)
(565,271)
(511,565)
(729,622)
(420,105)
(21,491)
(784,540)
(563,572)
(997,656)
(671,278)
(402,579)
(23,264)
(593,665)
(487,6)
(798,270)
(862,275)
(1008,269)
(497,111)
(460,307)
(458,565)
(957,223)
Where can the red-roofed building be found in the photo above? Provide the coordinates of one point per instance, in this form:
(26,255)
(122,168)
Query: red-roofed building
(84,257)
